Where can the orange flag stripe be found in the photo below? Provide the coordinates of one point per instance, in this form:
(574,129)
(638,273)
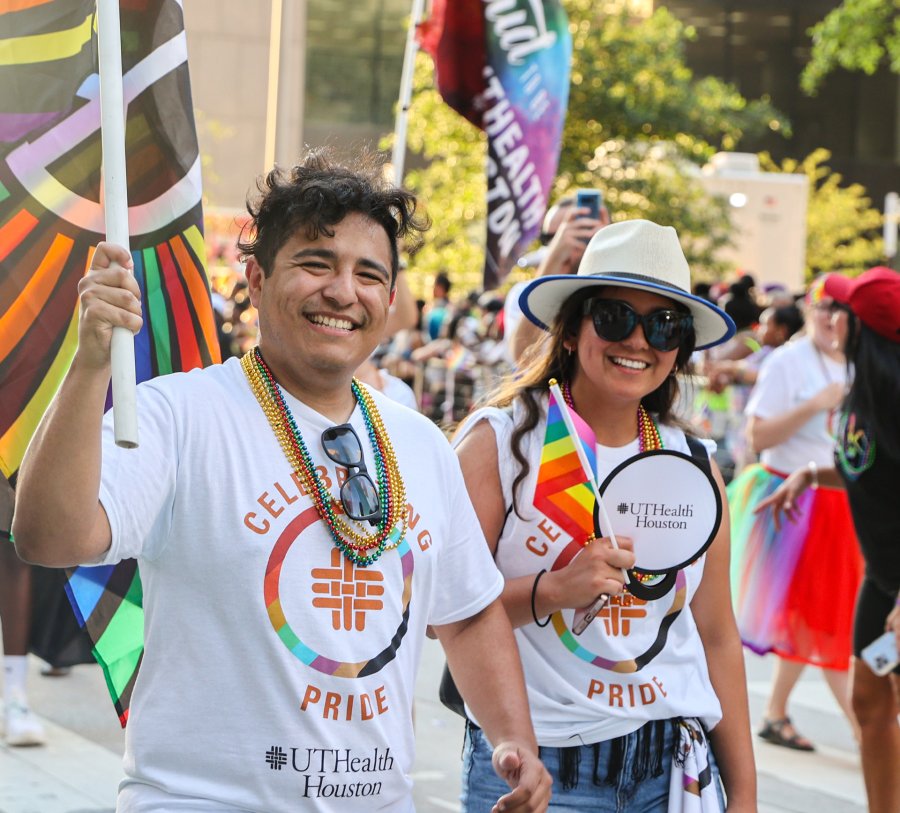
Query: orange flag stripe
(575,509)
(15,230)
(6,6)
(193,276)
(28,305)
(551,469)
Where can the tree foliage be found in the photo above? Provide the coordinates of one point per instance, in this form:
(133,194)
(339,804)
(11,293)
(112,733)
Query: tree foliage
(858,35)
(842,228)
(630,81)
(449,179)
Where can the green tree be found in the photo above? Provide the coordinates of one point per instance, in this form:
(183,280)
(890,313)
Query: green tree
(842,228)
(630,81)
(858,35)
(451,185)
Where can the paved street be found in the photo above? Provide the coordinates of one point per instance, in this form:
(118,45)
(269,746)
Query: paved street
(78,770)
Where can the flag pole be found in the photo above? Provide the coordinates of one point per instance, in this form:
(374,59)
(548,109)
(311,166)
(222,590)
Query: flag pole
(272,94)
(584,616)
(115,206)
(398,157)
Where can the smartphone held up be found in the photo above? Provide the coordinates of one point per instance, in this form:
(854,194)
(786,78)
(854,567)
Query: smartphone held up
(589,199)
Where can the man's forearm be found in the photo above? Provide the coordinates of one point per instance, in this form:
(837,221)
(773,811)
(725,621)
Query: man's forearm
(497,695)
(57,512)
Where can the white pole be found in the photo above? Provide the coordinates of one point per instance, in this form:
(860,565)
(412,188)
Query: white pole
(115,199)
(406,82)
(891,217)
(272,97)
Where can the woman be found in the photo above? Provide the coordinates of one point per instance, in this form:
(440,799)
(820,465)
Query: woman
(867,458)
(620,331)
(776,326)
(794,587)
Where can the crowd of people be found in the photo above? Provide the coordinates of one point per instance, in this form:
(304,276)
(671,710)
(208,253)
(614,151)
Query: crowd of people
(609,348)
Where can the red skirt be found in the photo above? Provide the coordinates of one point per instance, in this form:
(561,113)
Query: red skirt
(795,588)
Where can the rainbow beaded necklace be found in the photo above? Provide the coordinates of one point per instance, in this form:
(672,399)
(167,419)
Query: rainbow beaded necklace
(360,548)
(648,432)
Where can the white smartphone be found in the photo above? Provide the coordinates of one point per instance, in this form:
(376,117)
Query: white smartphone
(881,654)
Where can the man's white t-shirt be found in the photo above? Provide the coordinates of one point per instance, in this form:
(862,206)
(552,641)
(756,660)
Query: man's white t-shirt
(277,676)
(791,375)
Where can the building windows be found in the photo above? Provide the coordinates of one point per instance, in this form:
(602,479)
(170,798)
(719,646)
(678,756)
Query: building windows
(354,57)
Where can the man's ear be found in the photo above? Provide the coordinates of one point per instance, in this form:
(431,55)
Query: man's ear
(393,295)
(255,275)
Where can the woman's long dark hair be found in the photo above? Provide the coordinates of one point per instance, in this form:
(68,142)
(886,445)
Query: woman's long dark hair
(550,358)
(875,391)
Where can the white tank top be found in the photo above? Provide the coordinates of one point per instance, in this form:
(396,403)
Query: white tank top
(574,700)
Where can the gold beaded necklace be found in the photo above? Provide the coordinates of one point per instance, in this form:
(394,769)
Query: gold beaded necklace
(361,548)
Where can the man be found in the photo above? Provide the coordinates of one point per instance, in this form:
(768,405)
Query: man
(439,310)
(565,233)
(282,636)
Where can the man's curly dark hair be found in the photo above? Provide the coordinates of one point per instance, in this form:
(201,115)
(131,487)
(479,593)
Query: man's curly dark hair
(320,192)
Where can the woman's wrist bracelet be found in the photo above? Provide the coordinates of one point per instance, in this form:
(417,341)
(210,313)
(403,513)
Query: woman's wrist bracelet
(534,597)
(814,473)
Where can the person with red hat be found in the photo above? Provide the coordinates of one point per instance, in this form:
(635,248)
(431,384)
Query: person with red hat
(867,464)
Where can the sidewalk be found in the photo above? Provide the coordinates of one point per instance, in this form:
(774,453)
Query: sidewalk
(79,769)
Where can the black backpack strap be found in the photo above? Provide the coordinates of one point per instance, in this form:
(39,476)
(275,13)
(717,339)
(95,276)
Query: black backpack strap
(699,453)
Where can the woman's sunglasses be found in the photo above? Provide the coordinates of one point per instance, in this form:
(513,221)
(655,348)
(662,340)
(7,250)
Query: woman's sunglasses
(358,493)
(614,321)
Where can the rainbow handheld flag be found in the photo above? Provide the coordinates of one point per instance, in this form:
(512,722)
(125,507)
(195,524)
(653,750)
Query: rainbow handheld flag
(564,493)
(51,216)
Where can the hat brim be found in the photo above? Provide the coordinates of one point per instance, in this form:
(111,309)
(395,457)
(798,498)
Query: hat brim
(542,299)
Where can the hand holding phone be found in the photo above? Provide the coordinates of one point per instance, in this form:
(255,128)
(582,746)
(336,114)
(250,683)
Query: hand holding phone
(881,655)
(590,199)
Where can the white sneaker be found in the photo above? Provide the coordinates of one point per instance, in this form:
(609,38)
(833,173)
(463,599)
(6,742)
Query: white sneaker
(22,726)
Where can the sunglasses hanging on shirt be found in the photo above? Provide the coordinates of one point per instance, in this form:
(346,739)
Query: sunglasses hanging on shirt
(359,497)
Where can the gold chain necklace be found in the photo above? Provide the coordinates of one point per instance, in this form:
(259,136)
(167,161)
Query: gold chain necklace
(360,548)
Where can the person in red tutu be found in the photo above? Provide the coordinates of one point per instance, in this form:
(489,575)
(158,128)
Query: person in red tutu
(867,464)
(794,586)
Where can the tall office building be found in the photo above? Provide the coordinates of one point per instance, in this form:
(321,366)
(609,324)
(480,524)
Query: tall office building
(338,81)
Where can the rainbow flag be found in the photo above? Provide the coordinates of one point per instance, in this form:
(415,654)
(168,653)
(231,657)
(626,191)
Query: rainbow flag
(505,67)
(51,217)
(457,358)
(563,492)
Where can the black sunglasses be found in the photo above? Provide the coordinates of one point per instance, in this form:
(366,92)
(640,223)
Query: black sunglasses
(358,493)
(614,321)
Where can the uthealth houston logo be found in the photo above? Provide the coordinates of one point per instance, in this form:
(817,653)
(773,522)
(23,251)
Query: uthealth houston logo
(658,514)
(348,591)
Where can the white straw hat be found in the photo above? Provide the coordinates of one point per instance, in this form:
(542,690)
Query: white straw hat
(630,254)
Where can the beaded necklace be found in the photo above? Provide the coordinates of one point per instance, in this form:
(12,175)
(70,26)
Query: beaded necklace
(360,548)
(648,432)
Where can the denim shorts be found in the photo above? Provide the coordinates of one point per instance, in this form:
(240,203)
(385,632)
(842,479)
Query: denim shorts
(481,787)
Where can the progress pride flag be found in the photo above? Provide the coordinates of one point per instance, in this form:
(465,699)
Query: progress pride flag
(504,65)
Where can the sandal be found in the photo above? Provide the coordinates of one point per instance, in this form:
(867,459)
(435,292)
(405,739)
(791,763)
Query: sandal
(773,731)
